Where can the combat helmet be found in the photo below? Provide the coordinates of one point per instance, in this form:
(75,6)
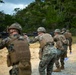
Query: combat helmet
(15,26)
(41,29)
(57,30)
(63,29)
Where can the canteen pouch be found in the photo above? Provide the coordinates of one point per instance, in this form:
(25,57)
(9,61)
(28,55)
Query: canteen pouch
(24,65)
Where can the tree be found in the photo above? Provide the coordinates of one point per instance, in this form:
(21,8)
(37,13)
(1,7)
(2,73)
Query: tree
(50,14)
(1,1)
(37,0)
(16,10)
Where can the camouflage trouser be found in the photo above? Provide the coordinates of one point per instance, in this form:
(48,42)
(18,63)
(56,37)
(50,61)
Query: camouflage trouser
(22,69)
(47,60)
(40,53)
(14,71)
(65,49)
(57,59)
(60,55)
(63,53)
(70,43)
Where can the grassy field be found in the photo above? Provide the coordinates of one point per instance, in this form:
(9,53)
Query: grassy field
(74,39)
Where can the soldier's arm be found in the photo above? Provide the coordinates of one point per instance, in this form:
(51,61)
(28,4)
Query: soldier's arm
(55,39)
(34,40)
(3,43)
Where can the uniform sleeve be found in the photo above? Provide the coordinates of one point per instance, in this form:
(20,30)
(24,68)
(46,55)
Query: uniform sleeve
(34,39)
(55,39)
(3,43)
(64,40)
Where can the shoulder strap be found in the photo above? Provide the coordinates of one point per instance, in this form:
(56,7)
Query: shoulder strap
(11,40)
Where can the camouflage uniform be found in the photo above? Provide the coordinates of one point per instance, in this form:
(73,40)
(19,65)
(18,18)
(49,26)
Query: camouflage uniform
(68,36)
(63,52)
(63,30)
(47,52)
(18,52)
(25,36)
(59,39)
(65,45)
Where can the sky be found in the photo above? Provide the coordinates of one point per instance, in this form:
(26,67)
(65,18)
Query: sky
(9,5)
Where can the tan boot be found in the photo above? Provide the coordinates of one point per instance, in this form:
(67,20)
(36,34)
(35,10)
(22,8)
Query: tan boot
(57,70)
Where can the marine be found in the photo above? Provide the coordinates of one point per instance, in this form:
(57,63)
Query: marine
(60,40)
(47,53)
(68,35)
(65,45)
(18,51)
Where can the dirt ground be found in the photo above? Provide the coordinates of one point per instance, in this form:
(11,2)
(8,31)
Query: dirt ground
(70,64)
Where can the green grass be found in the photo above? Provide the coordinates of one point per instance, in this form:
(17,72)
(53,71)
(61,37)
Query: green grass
(74,39)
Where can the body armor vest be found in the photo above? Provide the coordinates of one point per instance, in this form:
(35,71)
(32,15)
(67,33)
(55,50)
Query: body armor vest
(19,50)
(67,35)
(59,43)
(46,38)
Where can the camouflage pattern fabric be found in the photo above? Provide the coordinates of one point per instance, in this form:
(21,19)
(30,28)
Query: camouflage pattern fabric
(67,36)
(57,59)
(70,40)
(47,60)
(40,53)
(58,40)
(63,53)
(70,44)
(14,70)
(47,53)
(65,49)
(61,49)
(60,55)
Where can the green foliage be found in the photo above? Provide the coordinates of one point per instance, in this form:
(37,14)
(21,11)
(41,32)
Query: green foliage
(5,20)
(1,1)
(73,22)
(73,31)
(48,13)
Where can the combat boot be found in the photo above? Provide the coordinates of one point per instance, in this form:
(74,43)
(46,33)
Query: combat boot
(62,67)
(57,70)
(70,52)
